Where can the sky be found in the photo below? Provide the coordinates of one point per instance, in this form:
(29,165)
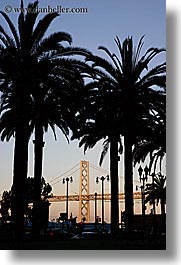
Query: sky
(103,21)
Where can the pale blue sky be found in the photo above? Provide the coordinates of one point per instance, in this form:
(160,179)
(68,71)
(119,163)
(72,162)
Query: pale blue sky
(104,20)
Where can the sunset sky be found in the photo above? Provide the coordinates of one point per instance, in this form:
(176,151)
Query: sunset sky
(99,26)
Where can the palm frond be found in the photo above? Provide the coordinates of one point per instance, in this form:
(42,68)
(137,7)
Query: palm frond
(41,28)
(104,151)
(70,51)
(12,28)
(112,57)
(30,19)
(106,68)
(52,42)
(6,39)
(138,51)
(21,26)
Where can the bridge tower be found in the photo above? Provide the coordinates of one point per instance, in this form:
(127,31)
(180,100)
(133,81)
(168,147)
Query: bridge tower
(84,205)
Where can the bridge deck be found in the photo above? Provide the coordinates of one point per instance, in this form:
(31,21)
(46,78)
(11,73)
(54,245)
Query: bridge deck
(90,197)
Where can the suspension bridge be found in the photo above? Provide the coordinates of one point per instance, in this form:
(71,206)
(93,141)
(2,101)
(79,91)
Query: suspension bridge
(84,197)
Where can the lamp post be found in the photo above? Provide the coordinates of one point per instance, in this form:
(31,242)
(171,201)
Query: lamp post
(67,180)
(95,210)
(154,210)
(143,178)
(97,181)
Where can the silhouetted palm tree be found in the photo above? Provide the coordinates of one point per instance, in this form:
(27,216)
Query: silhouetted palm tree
(157,192)
(98,120)
(24,56)
(154,142)
(53,104)
(16,71)
(123,96)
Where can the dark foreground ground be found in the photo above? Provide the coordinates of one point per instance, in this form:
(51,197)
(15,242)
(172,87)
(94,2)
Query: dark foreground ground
(89,241)
(151,243)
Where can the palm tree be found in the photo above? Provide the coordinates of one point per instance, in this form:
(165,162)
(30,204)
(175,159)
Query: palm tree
(22,53)
(123,96)
(157,192)
(97,120)
(16,76)
(53,104)
(154,144)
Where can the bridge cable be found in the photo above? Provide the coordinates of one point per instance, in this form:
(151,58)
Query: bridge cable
(62,177)
(64,173)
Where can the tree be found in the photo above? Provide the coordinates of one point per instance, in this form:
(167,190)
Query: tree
(7,198)
(60,81)
(154,143)
(45,193)
(97,121)
(122,98)
(5,205)
(24,57)
(157,192)
(13,65)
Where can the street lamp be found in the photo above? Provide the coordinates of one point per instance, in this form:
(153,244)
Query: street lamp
(67,180)
(95,210)
(143,177)
(154,210)
(97,181)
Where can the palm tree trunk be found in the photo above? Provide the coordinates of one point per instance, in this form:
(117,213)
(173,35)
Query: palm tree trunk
(37,178)
(19,179)
(163,217)
(128,172)
(114,186)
